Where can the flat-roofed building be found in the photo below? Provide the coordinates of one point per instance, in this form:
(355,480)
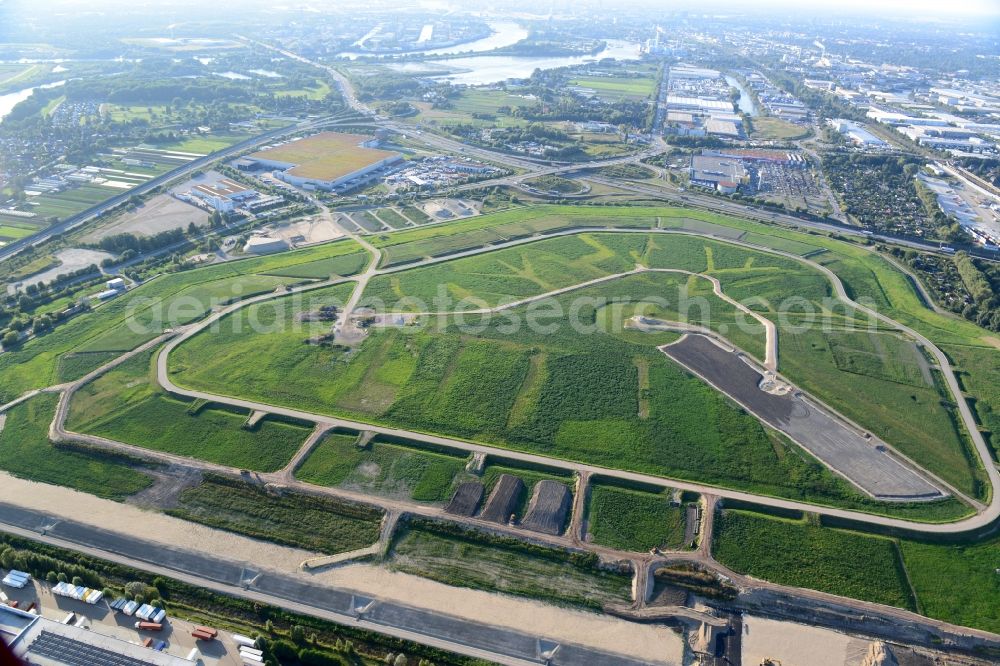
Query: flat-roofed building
(43,642)
(326,161)
(723,174)
(224,194)
(856,133)
(698,104)
(690,72)
(722,127)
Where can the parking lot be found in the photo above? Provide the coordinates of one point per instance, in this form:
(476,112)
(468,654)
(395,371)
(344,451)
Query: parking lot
(102,620)
(792,184)
(862,459)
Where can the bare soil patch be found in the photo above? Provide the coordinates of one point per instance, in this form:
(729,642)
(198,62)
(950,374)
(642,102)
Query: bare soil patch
(161,213)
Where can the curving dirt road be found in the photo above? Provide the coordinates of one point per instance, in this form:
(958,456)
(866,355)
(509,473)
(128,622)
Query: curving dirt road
(984,517)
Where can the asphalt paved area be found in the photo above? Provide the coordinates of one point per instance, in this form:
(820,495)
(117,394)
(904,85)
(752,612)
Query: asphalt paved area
(829,439)
(457,630)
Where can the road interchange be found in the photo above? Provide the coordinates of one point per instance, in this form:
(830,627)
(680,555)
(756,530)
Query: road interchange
(985,515)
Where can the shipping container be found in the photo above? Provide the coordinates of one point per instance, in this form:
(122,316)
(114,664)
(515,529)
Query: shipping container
(69,618)
(148,626)
(239,639)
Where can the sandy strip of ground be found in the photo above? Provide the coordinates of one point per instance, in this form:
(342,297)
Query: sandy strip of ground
(791,644)
(146,525)
(650,643)
(654,644)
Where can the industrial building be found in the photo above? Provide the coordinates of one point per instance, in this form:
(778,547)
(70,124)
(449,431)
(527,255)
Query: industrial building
(327,161)
(726,128)
(857,134)
(948,138)
(724,174)
(223,195)
(44,642)
(264,245)
(699,104)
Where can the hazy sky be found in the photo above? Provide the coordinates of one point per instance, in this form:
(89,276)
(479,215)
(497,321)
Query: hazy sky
(903,9)
(908,9)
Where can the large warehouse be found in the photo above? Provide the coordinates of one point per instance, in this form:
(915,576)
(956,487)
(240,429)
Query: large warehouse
(326,161)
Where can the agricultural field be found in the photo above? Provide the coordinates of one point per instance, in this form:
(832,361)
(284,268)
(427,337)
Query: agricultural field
(319,524)
(391,217)
(441,239)
(634,519)
(183,297)
(470,559)
(766,128)
(12,228)
(957,582)
(15,76)
(69,202)
(73,366)
(382,468)
(473,107)
(25,451)
(953,582)
(802,554)
(558,393)
(836,366)
(125,405)
(614,89)
(203,144)
(533,268)
(979,372)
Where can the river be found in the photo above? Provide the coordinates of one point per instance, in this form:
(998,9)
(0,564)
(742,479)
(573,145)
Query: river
(9,101)
(505,33)
(484,70)
(745,102)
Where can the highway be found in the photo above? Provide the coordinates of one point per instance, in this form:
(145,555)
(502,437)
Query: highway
(202,569)
(533,168)
(299,595)
(291,595)
(69,223)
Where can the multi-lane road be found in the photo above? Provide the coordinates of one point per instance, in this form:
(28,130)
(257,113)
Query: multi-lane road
(187,169)
(527,169)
